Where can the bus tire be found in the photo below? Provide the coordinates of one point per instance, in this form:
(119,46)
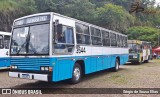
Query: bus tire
(116,67)
(76,74)
(146,61)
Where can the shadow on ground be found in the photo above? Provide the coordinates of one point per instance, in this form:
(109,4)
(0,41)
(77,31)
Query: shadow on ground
(4,70)
(64,84)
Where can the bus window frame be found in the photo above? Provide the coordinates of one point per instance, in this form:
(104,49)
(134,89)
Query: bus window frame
(2,42)
(84,34)
(29,25)
(105,31)
(5,39)
(95,28)
(54,41)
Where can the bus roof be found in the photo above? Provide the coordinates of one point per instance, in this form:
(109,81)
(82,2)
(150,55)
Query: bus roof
(76,20)
(138,42)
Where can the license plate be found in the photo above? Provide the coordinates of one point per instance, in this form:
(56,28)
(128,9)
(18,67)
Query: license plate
(25,76)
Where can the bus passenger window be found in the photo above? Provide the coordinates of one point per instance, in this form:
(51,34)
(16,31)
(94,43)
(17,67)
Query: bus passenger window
(113,39)
(6,42)
(105,38)
(82,34)
(96,36)
(1,42)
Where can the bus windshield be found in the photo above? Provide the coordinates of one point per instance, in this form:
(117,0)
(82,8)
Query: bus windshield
(134,48)
(31,40)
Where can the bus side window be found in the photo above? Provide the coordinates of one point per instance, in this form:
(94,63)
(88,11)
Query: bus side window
(1,42)
(96,36)
(105,38)
(6,42)
(82,34)
(113,39)
(65,39)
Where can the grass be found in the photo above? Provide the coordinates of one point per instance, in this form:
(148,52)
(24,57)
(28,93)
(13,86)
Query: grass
(156,60)
(119,79)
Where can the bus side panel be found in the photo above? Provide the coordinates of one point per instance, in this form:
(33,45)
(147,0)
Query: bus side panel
(100,63)
(87,65)
(4,62)
(65,71)
(113,60)
(93,64)
(124,59)
(64,67)
(54,65)
(106,62)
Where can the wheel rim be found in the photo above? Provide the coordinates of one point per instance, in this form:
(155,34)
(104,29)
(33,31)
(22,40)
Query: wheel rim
(117,65)
(77,73)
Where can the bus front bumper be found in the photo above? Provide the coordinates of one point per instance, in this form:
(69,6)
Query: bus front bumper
(42,77)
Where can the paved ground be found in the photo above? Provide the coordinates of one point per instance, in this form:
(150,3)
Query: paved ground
(129,76)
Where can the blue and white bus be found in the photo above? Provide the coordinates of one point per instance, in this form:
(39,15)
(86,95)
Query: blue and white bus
(53,47)
(4,49)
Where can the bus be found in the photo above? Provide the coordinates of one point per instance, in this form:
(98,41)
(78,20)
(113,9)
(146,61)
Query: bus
(4,50)
(53,47)
(139,51)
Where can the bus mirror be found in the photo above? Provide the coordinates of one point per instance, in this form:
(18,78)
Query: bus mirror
(59,28)
(56,22)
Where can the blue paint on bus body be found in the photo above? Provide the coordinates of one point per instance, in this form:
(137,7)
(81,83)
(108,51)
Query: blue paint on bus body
(4,62)
(63,66)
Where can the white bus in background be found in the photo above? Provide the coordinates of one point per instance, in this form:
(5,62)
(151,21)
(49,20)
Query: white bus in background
(4,49)
(54,47)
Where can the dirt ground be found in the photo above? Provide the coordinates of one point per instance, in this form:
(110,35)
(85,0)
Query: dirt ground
(146,75)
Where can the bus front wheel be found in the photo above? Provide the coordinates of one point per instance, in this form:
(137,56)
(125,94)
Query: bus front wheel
(76,74)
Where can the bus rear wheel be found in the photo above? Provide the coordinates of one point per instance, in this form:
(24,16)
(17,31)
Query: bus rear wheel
(116,68)
(76,74)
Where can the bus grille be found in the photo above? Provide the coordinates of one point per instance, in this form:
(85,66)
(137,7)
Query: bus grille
(130,56)
(30,63)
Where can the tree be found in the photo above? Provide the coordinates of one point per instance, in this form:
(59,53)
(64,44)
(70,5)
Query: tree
(144,33)
(10,10)
(45,5)
(114,17)
(7,5)
(79,9)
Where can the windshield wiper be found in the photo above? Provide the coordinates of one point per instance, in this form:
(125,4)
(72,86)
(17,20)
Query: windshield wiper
(25,43)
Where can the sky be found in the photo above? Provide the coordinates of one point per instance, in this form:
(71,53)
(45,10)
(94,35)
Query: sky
(157,1)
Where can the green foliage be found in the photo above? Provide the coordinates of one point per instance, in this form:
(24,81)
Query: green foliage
(144,33)
(114,17)
(111,14)
(79,9)
(7,5)
(45,5)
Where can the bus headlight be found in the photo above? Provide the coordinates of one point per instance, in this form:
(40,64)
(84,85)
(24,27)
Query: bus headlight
(42,68)
(46,68)
(14,67)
